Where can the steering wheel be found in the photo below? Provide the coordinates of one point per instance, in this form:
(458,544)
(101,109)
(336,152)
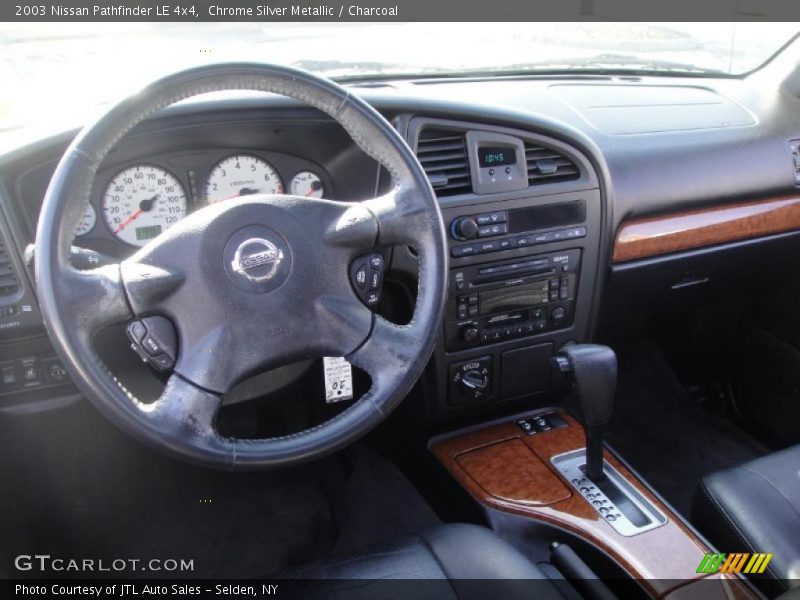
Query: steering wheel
(231,323)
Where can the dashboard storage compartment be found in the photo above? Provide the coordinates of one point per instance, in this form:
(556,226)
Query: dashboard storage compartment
(525,371)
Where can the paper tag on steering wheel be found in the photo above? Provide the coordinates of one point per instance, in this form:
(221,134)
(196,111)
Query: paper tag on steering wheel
(338,379)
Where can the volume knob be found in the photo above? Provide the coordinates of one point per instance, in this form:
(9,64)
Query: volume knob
(469,334)
(464,228)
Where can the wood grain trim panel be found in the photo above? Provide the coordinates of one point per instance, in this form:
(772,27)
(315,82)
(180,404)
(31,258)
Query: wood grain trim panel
(508,470)
(663,559)
(654,236)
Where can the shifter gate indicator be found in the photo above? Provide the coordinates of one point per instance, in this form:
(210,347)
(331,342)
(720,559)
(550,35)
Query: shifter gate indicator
(142,201)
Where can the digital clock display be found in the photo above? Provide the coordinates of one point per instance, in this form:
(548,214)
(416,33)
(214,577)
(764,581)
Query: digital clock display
(496,156)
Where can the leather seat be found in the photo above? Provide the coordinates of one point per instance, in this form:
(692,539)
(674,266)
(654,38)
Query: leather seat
(756,508)
(454,561)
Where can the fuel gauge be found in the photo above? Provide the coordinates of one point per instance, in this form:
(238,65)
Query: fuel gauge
(307,183)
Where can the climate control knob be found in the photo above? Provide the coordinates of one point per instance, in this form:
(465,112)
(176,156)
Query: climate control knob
(464,228)
(474,382)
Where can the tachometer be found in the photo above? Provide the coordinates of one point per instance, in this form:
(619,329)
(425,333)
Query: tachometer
(87,222)
(241,175)
(141,202)
(307,183)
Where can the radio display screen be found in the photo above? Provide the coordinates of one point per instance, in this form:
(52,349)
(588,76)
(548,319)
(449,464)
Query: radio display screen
(495,156)
(513,298)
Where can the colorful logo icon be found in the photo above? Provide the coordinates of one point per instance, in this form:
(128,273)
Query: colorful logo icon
(737,562)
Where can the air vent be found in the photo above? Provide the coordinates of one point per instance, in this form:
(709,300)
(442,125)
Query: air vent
(545,165)
(9,282)
(443,155)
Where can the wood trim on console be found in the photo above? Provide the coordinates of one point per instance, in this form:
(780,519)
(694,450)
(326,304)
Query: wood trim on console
(654,236)
(663,559)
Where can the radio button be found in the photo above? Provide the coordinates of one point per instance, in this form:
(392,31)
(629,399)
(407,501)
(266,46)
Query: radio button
(575,232)
(492,217)
(492,230)
(488,247)
(540,238)
(553,295)
(465,250)
(473,311)
(522,241)
(507,244)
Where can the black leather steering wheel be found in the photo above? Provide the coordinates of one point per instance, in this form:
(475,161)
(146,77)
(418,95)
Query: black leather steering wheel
(229,325)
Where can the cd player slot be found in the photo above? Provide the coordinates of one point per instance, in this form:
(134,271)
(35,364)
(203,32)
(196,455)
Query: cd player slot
(518,275)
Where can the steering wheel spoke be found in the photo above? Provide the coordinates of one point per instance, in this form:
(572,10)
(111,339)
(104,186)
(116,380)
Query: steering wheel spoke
(184,417)
(390,349)
(95,298)
(401,216)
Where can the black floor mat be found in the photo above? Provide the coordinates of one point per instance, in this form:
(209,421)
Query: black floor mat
(667,437)
(73,486)
(379,505)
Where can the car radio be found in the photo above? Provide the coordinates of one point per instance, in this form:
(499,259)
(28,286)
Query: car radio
(519,297)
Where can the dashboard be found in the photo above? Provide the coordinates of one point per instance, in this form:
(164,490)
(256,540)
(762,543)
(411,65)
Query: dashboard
(537,179)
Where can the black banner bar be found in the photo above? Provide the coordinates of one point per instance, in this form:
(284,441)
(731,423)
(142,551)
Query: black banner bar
(395,10)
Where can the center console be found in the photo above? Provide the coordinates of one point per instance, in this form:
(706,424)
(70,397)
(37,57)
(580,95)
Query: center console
(526,473)
(524,216)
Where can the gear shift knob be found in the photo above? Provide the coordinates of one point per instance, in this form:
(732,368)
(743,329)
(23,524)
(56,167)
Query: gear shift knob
(593,379)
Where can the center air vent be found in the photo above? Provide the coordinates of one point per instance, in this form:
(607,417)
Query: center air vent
(443,155)
(9,282)
(548,166)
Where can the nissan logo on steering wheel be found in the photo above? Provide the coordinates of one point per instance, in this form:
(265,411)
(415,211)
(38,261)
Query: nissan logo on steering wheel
(257,259)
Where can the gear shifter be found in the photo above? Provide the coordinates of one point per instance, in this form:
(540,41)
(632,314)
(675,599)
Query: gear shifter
(592,372)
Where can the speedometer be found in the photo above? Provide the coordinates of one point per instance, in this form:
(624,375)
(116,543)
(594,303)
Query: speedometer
(141,202)
(241,175)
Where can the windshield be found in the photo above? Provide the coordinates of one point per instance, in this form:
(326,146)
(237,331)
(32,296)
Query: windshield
(86,65)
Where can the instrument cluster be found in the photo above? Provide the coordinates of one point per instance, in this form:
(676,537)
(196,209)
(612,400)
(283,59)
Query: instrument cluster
(139,201)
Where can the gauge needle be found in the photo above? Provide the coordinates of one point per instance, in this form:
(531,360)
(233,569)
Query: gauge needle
(130,219)
(144,206)
(240,193)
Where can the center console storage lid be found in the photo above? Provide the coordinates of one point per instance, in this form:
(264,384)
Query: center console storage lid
(508,470)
